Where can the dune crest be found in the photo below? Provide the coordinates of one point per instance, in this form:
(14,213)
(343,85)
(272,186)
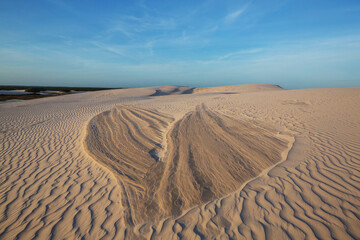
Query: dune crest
(238,88)
(208,155)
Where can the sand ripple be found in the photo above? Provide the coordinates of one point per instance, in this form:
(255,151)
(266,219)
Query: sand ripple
(50,188)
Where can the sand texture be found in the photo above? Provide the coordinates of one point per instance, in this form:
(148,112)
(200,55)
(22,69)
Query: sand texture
(236,162)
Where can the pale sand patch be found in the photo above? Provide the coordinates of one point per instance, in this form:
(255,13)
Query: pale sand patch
(51,188)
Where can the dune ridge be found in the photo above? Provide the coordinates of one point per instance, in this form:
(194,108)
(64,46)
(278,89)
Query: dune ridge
(238,88)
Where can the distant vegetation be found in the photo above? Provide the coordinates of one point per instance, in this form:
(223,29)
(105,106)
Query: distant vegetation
(35,91)
(39,89)
(44,88)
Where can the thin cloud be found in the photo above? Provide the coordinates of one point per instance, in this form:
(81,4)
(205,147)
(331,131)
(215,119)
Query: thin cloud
(130,51)
(242,52)
(111,49)
(149,46)
(122,28)
(231,17)
(131,25)
(63,5)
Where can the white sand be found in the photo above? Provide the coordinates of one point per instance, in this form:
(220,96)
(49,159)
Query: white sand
(51,188)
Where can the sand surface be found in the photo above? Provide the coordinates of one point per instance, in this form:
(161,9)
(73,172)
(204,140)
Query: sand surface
(236,162)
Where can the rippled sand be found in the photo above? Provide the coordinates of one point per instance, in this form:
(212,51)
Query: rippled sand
(241,162)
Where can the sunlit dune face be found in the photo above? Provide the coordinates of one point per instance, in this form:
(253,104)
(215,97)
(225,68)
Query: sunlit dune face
(165,166)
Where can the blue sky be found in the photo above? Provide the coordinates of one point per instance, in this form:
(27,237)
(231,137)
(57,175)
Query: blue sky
(293,43)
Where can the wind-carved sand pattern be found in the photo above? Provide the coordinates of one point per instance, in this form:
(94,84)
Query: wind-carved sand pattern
(127,141)
(51,189)
(165,166)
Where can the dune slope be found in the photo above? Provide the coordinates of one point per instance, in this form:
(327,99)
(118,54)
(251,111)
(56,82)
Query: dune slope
(207,156)
(127,141)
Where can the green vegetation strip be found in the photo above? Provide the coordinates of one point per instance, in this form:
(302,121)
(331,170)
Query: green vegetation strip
(44,88)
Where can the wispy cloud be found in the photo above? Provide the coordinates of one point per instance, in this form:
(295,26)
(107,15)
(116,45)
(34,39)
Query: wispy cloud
(131,25)
(122,28)
(242,52)
(231,17)
(149,46)
(63,5)
(112,49)
(128,51)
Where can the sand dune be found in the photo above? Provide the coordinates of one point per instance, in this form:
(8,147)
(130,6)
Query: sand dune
(52,185)
(171,90)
